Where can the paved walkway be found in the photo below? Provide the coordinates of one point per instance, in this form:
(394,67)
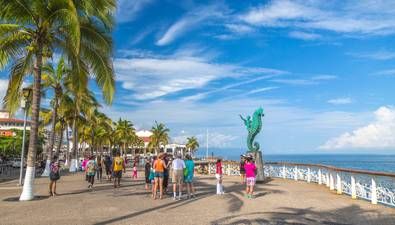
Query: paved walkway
(277,202)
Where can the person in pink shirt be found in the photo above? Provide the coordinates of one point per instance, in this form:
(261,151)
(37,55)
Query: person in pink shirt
(218,175)
(250,169)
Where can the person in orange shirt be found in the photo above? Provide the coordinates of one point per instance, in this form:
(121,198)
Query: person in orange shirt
(159,167)
(118,164)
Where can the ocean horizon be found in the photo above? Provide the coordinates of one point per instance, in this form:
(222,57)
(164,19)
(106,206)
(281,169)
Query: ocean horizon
(371,162)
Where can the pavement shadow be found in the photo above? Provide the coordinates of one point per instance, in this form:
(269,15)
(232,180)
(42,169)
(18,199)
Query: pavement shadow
(351,215)
(36,198)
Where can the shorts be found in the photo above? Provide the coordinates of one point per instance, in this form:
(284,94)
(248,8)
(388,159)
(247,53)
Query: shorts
(117,174)
(159,174)
(242,172)
(188,178)
(177,176)
(218,176)
(108,171)
(147,180)
(250,181)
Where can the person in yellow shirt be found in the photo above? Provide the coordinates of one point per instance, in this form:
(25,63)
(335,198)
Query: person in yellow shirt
(118,164)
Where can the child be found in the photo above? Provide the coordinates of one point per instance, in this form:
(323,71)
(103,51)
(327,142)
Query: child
(250,175)
(134,176)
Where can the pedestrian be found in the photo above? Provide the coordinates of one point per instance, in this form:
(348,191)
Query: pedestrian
(107,165)
(152,176)
(188,175)
(118,165)
(54,176)
(147,170)
(250,169)
(99,171)
(134,176)
(166,173)
(178,166)
(91,168)
(83,166)
(242,170)
(218,176)
(159,167)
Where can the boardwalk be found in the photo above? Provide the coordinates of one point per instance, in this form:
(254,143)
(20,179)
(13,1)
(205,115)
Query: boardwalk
(277,202)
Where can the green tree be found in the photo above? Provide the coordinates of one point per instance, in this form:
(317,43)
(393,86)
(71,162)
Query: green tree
(160,136)
(192,144)
(124,133)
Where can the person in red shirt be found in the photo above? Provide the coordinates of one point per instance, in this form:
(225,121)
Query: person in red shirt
(218,175)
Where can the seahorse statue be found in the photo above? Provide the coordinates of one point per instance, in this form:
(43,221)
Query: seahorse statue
(253,126)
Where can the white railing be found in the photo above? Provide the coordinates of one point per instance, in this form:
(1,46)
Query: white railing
(375,187)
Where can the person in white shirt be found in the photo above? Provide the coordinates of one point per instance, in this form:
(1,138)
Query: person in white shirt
(178,166)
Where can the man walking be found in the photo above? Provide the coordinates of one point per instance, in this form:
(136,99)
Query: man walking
(118,164)
(178,176)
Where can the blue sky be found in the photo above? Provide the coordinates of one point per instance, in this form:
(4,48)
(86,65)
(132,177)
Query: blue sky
(323,71)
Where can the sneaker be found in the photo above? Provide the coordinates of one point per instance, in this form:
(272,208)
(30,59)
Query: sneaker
(174,198)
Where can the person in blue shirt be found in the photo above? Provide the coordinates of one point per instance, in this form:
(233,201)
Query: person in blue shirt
(188,175)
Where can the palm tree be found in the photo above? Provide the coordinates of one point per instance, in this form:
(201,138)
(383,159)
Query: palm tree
(54,79)
(192,144)
(124,133)
(32,30)
(160,136)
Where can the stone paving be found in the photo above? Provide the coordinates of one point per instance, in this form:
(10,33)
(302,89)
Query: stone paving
(277,202)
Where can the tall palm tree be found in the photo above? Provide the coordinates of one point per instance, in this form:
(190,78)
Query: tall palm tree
(32,30)
(54,78)
(124,133)
(160,136)
(192,144)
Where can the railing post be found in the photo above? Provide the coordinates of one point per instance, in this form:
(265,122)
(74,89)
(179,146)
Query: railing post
(374,191)
(319,177)
(296,173)
(308,175)
(353,188)
(284,172)
(331,182)
(327,179)
(338,184)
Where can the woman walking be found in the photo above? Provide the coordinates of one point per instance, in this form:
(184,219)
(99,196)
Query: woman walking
(91,168)
(54,176)
(99,171)
(147,171)
(250,169)
(188,179)
(159,167)
(218,176)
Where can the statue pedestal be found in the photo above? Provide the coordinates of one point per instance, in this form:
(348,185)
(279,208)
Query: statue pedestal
(260,176)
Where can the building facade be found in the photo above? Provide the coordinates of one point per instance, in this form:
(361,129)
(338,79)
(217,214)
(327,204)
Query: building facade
(7,124)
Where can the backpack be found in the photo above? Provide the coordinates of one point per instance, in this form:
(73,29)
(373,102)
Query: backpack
(91,167)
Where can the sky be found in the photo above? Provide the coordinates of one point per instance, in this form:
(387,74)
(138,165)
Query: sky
(324,72)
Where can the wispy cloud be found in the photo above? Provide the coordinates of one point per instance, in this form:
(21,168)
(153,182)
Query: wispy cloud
(153,77)
(340,101)
(389,73)
(379,55)
(324,77)
(358,17)
(304,35)
(295,81)
(191,20)
(128,10)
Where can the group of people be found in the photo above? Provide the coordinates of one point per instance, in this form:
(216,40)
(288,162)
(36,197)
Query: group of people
(158,169)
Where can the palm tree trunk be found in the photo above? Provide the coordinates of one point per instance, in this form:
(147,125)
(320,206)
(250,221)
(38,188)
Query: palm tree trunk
(28,192)
(51,139)
(59,142)
(73,165)
(68,146)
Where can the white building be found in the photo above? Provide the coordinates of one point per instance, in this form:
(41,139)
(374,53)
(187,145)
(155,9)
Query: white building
(7,124)
(144,135)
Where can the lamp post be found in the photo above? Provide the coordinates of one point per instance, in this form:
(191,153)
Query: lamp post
(25,105)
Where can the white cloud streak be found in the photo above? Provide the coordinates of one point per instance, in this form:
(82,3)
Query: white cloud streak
(304,35)
(379,55)
(340,101)
(128,10)
(376,135)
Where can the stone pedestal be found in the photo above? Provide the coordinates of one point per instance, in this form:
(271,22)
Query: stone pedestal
(260,176)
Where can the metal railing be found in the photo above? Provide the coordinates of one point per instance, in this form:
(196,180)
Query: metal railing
(376,187)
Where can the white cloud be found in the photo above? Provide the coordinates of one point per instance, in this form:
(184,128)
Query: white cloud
(295,81)
(389,72)
(324,77)
(379,55)
(304,35)
(191,20)
(340,101)
(127,10)
(3,89)
(215,139)
(153,77)
(378,134)
(352,17)
(239,28)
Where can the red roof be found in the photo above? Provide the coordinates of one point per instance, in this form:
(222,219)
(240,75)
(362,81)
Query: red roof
(146,139)
(11,120)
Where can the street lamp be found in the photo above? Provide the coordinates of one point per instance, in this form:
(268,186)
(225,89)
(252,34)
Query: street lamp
(25,105)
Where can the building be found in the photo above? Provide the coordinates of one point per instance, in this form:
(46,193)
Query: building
(144,135)
(7,124)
